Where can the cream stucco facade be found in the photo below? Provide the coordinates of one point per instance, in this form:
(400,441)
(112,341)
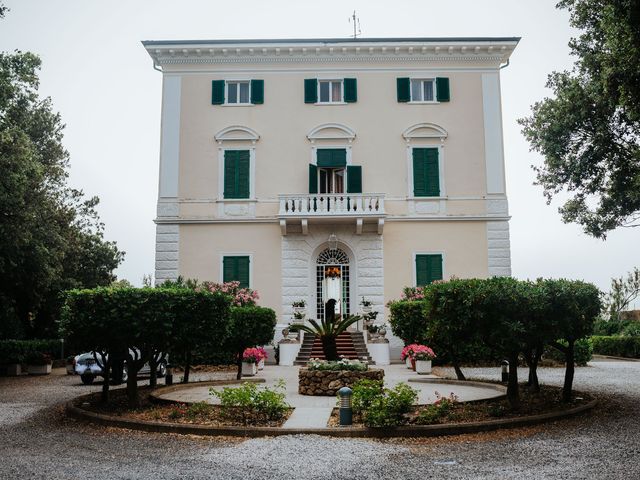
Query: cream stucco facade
(280,225)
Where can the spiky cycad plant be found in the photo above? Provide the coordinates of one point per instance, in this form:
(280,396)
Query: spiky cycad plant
(328,330)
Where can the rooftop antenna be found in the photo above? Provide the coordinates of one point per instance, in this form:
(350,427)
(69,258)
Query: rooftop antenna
(356,25)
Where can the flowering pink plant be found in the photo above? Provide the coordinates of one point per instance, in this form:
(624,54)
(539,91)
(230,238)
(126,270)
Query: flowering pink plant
(254,355)
(422,352)
(413,293)
(241,296)
(408,351)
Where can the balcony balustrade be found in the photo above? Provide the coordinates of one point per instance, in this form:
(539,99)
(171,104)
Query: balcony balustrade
(332,204)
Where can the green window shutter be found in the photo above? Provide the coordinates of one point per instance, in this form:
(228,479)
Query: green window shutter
(331,157)
(354,179)
(442,89)
(236,269)
(404,89)
(243,175)
(217,92)
(310,90)
(243,271)
(230,166)
(257,92)
(237,172)
(350,90)
(428,269)
(426,172)
(313,178)
(228,269)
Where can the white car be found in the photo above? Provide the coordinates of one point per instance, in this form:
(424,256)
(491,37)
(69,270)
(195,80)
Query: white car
(86,366)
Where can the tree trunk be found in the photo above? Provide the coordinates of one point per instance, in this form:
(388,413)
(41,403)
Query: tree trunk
(239,364)
(330,348)
(456,367)
(187,367)
(533,359)
(569,372)
(132,385)
(104,396)
(153,370)
(513,395)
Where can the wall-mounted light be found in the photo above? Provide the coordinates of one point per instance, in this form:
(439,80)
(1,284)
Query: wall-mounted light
(333,241)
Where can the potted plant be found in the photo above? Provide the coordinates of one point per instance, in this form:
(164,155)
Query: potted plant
(423,356)
(12,364)
(250,359)
(407,355)
(39,363)
(366,305)
(299,307)
(263,356)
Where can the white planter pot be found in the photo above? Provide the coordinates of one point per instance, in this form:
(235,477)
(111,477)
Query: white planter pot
(379,353)
(261,364)
(366,309)
(423,366)
(14,370)
(288,353)
(249,369)
(407,361)
(299,309)
(39,369)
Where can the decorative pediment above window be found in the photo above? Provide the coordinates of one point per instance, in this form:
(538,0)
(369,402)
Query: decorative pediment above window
(425,131)
(237,133)
(331,131)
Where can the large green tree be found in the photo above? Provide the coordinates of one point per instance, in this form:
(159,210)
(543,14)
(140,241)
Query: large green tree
(589,131)
(50,236)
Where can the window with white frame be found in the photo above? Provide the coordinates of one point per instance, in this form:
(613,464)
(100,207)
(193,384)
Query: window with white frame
(330,91)
(238,92)
(423,89)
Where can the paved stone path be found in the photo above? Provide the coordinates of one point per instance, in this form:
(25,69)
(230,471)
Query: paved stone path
(309,417)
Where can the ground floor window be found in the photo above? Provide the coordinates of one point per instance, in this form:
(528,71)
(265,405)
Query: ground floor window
(236,269)
(428,268)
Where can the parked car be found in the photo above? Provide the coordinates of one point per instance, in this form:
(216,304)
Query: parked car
(86,366)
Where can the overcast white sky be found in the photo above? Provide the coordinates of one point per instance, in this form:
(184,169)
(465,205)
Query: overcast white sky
(102,82)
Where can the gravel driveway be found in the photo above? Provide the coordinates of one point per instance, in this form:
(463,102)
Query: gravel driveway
(37,441)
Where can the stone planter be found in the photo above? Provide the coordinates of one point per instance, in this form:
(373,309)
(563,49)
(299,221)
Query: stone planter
(39,369)
(249,369)
(423,366)
(14,370)
(327,383)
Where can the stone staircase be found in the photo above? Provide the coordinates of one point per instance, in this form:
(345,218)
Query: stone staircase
(350,345)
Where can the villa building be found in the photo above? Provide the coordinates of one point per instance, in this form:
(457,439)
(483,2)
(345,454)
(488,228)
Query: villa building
(282,159)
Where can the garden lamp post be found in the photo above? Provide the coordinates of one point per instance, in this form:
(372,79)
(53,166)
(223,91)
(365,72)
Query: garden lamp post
(346,411)
(505,371)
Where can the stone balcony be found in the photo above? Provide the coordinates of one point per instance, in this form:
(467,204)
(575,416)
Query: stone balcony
(305,208)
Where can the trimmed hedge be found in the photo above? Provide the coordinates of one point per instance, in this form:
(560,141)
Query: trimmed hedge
(17,351)
(582,354)
(616,346)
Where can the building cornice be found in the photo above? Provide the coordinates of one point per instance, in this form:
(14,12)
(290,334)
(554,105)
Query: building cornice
(481,50)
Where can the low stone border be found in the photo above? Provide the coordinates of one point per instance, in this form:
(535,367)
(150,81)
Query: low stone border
(448,381)
(611,357)
(155,394)
(408,431)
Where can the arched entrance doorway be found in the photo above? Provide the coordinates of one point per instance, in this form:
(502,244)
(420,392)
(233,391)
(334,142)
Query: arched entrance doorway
(332,281)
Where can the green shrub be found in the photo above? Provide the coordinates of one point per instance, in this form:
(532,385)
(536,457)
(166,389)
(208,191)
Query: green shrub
(408,321)
(251,404)
(18,351)
(616,346)
(389,409)
(364,393)
(440,409)
(198,409)
(583,352)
